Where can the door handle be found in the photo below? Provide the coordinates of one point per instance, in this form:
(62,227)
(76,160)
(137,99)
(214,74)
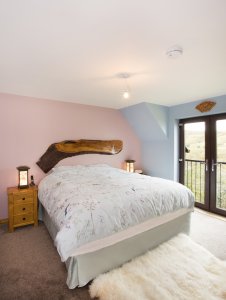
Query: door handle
(212,165)
(206,165)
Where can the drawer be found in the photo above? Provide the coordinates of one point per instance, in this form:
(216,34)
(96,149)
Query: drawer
(23,219)
(25,208)
(23,197)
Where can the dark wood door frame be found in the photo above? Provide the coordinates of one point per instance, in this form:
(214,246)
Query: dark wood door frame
(213,149)
(206,204)
(210,154)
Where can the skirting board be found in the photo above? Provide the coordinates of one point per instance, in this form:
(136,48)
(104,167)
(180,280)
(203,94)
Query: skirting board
(3,221)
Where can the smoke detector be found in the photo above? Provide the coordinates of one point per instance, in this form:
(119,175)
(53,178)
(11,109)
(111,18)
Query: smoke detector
(174,51)
(123,75)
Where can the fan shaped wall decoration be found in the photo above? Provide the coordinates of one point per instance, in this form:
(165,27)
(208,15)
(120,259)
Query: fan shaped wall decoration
(205,106)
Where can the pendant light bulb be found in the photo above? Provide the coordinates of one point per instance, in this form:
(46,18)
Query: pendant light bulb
(125,77)
(126,95)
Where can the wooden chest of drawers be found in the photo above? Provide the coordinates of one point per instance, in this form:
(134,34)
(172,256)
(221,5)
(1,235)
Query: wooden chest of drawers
(22,206)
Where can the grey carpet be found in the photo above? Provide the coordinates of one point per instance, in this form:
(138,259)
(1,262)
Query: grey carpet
(210,232)
(30,268)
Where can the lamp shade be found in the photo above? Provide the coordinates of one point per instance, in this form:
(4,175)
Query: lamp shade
(23,177)
(130,165)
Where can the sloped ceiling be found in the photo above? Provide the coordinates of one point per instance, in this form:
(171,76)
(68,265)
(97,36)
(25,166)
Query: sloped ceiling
(73,50)
(149,121)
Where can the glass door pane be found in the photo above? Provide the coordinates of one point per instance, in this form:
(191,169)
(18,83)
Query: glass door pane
(194,159)
(220,165)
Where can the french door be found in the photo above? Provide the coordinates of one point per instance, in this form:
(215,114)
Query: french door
(202,161)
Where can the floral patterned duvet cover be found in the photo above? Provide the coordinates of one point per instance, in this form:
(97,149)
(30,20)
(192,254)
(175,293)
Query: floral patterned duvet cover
(90,202)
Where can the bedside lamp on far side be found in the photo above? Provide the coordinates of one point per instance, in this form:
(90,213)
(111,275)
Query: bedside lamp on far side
(23,177)
(130,165)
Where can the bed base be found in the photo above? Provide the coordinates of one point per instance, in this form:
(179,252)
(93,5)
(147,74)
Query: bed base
(84,268)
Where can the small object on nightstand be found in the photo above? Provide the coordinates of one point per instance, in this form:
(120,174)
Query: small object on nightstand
(32,183)
(22,207)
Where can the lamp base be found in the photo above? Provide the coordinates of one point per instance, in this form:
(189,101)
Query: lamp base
(23,186)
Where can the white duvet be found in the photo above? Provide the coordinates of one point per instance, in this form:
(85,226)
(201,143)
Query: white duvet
(90,202)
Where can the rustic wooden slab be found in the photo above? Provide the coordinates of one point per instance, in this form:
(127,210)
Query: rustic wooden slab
(64,149)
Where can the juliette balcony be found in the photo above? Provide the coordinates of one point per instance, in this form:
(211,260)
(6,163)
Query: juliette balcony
(195,180)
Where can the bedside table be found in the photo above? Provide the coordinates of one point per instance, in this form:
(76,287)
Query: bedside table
(22,206)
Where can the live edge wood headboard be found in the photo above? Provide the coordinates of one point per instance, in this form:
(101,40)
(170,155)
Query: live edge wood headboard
(64,149)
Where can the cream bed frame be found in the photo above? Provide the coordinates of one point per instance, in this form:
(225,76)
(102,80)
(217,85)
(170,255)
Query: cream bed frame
(83,268)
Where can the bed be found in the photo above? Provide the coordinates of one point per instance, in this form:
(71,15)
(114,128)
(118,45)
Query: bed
(100,217)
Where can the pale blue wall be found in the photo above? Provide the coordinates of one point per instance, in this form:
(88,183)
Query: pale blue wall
(157,128)
(155,158)
(149,121)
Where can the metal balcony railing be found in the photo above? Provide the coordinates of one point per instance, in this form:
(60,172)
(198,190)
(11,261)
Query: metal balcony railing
(195,180)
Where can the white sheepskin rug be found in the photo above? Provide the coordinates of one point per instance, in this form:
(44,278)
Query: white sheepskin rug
(178,269)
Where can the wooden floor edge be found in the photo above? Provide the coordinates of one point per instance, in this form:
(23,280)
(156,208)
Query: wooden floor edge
(3,221)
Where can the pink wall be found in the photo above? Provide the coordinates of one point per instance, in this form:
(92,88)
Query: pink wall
(28,126)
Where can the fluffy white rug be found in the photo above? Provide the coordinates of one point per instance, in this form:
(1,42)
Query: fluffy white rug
(179,269)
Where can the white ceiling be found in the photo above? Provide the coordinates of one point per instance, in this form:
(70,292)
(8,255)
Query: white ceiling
(72,50)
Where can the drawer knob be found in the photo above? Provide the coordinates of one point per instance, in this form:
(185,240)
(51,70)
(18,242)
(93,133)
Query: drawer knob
(24,208)
(24,218)
(23,198)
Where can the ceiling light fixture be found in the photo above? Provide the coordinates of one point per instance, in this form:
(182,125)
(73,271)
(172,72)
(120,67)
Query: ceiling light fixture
(174,51)
(126,95)
(125,76)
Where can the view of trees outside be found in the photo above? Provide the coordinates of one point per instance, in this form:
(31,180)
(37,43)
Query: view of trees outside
(221,167)
(195,161)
